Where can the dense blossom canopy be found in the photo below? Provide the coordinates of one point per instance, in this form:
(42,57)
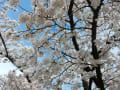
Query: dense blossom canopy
(71,42)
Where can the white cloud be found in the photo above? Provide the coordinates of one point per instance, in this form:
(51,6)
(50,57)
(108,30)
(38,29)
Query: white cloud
(6,67)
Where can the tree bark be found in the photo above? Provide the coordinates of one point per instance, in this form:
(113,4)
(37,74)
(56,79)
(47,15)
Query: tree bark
(95,53)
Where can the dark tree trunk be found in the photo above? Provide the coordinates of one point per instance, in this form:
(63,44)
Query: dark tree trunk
(98,78)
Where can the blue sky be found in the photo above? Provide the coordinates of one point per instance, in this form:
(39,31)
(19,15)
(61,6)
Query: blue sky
(26,4)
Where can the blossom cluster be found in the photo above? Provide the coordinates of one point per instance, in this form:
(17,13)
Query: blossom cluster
(65,42)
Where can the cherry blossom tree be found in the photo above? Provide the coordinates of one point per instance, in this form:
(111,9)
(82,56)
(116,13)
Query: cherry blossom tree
(14,82)
(71,42)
